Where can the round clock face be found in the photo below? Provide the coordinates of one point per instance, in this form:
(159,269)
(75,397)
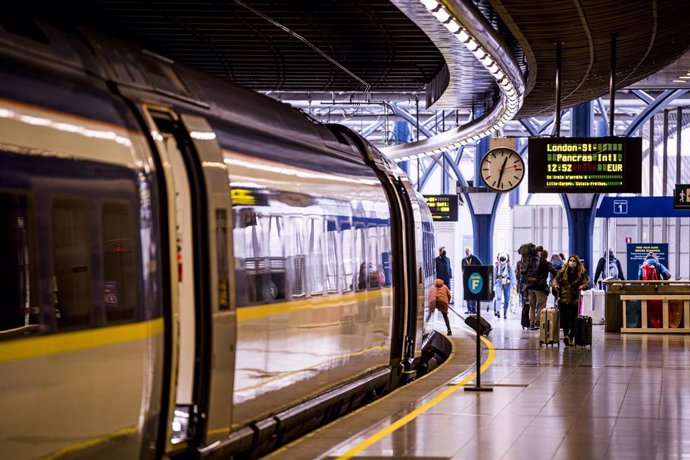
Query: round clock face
(502,169)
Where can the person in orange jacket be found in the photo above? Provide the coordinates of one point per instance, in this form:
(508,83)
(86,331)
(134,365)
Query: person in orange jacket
(439,298)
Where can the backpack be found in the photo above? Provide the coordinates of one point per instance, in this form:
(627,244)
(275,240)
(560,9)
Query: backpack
(613,269)
(529,267)
(649,272)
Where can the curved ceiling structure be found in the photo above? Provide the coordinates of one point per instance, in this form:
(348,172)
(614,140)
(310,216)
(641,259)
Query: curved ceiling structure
(368,51)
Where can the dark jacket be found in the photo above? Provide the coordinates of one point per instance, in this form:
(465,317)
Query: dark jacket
(569,286)
(470,260)
(602,269)
(540,284)
(443,269)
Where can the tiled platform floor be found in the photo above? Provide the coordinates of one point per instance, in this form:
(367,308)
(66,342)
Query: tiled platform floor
(627,397)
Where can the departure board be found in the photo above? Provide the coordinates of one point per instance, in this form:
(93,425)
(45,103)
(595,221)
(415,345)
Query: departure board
(443,207)
(585,164)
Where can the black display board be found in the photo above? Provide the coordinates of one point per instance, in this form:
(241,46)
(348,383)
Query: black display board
(443,207)
(585,165)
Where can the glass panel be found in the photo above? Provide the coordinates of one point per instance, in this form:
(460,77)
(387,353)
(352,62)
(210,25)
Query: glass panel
(332,256)
(315,258)
(119,271)
(374,258)
(71,261)
(17,270)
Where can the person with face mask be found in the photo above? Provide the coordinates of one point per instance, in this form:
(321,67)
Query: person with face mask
(504,280)
(568,283)
(470,259)
(443,266)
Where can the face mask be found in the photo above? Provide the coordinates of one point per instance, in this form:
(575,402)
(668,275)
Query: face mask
(572,264)
(467,253)
(502,259)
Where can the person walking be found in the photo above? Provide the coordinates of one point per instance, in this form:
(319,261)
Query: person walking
(568,283)
(608,269)
(439,299)
(537,271)
(443,266)
(504,280)
(470,259)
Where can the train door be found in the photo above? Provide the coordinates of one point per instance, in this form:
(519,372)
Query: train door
(200,321)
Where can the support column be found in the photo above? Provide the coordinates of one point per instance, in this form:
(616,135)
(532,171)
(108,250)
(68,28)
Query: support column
(580,208)
(483,206)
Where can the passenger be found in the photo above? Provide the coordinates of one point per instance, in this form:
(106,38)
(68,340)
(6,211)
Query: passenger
(652,269)
(443,266)
(615,270)
(362,280)
(470,259)
(504,277)
(568,283)
(439,298)
(537,287)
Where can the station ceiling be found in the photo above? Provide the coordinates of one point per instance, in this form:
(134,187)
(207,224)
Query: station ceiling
(369,46)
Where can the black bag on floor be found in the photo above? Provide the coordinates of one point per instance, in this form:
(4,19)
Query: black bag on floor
(524,321)
(583,331)
(478,324)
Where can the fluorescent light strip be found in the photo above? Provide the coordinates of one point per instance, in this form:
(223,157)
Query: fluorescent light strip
(509,104)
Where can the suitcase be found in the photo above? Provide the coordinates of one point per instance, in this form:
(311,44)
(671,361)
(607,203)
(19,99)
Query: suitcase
(583,331)
(592,303)
(524,321)
(482,326)
(655,315)
(549,326)
(633,315)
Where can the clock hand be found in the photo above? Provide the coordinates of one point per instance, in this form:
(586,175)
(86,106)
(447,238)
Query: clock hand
(503,168)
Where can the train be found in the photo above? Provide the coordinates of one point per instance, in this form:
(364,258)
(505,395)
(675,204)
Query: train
(189,268)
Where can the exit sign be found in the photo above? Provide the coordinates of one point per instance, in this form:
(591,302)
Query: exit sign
(681,196)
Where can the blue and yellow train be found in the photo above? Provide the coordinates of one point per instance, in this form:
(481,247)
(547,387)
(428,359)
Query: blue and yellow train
(187,267)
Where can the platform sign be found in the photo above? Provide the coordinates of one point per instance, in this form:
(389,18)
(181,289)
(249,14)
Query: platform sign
(639,206)
(443,207)
(638,251)
(478,282)
(585,165)
(681,196)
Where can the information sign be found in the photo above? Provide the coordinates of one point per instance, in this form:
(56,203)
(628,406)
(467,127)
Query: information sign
(478,282)
(638,251)
(681,196)
(585,165)
(443,207)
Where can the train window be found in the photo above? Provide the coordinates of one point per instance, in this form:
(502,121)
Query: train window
(332,243)
(347,264)
(71,263)
(360,258)
(315,256)
(297,258)
(18,271)
(373,258)
(119,269)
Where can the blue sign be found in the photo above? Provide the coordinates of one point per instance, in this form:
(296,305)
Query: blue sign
(475,283)
(639,206)
(637,253)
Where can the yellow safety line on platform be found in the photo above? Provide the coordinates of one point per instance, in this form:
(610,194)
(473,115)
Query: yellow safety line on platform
(420,410)
(51,344)
(90,443)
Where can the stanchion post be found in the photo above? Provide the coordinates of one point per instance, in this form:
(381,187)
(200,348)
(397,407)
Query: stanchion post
(478,285)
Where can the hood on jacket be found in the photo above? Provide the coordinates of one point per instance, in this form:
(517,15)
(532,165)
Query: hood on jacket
(438,283)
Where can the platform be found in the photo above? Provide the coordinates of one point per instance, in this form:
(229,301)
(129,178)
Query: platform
(626,397)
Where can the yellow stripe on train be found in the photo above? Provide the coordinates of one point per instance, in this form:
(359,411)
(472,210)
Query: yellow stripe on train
(261,311)
(51,344)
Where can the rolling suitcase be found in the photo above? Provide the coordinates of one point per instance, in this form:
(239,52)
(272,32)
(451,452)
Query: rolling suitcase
(524,321)
(655,315)
(549,326)
(478,324)
(583,331)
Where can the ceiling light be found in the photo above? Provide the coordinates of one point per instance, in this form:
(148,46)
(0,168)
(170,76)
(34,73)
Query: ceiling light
(453,26)
(463,36)
(429,4)
(441,14)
